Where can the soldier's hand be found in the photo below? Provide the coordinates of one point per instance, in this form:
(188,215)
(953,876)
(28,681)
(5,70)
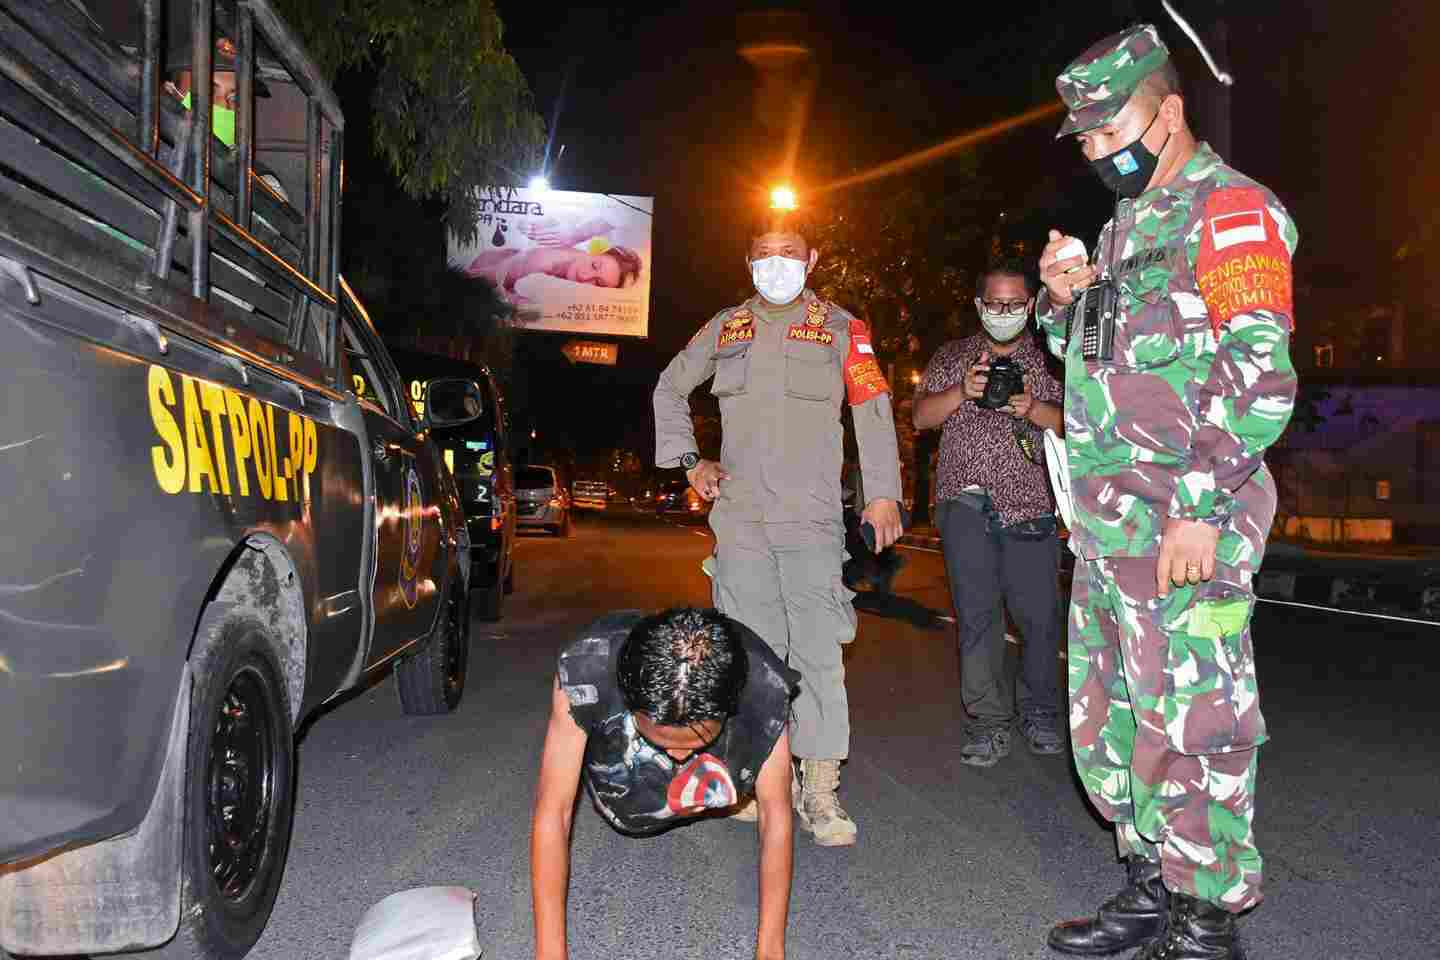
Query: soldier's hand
(705,477)
(884,516)
(1063,285)
(976,375)
(1187,554)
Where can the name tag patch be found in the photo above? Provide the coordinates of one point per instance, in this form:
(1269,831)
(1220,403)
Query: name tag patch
(808,334)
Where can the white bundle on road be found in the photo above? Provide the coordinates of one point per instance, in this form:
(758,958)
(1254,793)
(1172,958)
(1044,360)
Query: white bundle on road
(428,923)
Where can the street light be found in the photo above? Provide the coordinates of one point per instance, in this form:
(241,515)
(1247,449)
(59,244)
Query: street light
(539,184)
(782,197)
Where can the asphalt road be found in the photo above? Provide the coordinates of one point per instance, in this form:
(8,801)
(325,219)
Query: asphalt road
(953,862)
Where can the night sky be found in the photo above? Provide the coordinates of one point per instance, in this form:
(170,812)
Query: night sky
(1331,109)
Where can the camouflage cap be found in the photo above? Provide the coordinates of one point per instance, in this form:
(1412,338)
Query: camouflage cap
(1099,82)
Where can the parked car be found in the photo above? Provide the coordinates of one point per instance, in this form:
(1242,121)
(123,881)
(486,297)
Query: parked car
(677,499)
(219,512)
(478,454)
(541,499)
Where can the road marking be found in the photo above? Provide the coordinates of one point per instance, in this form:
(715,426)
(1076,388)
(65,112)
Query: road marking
(907,546)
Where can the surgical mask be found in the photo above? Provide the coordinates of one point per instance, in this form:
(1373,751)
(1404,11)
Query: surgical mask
(1128,170)
(1002,327)
(222,121)
(779,279)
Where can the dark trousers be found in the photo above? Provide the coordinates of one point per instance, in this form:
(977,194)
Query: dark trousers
(863,567)
(987,565)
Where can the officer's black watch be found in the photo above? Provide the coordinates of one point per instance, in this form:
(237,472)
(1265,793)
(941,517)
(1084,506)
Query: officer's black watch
(689,460)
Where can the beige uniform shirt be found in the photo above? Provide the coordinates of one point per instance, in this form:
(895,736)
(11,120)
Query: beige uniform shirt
(780,375)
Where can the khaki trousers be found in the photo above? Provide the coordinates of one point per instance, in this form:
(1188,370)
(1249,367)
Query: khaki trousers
(783,581)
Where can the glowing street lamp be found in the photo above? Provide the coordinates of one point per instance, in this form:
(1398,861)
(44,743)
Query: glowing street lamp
(539,184)
(783,198)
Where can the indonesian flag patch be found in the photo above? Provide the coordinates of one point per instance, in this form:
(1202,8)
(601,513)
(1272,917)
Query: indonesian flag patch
(863,378)
(1243,264)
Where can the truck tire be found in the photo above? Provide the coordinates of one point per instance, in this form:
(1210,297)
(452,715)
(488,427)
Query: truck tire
(238,795)
(431,681)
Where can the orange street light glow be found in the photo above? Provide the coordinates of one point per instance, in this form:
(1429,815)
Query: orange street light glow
(782,198)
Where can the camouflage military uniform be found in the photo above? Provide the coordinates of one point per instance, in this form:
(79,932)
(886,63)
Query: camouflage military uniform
(1165,715)
(780,374)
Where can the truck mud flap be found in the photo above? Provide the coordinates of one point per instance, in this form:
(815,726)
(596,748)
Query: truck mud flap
(119,894)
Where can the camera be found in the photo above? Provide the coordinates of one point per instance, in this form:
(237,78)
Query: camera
(1006,379)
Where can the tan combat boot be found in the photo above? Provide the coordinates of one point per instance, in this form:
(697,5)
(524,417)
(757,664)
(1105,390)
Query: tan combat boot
(819,807)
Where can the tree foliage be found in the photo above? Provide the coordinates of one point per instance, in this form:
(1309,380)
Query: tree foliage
(451,109)
(447,312)
(905,258)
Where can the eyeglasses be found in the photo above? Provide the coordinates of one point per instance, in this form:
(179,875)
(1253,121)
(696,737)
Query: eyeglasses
(1005,307)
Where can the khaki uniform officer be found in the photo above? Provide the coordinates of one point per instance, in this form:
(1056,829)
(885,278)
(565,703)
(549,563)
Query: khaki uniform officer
(783,362)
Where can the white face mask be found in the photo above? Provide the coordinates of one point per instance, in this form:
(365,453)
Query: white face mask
(779,279)
(1001,327)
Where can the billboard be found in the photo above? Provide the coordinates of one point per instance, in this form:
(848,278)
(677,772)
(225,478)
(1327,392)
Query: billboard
(571,262)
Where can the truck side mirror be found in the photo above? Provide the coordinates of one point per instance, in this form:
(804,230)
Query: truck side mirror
(451,401)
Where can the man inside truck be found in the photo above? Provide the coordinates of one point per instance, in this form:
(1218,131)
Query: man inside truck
(224,98)
(224,90)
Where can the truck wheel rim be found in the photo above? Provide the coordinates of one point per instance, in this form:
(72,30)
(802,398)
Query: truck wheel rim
(242,760)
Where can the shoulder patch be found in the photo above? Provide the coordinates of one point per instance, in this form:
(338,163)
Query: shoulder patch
(863,377)
(1243,263)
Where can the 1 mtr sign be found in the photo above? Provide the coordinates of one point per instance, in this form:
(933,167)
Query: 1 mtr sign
(591,351)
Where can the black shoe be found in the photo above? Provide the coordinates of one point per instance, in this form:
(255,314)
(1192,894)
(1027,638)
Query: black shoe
(1131,918)
(1195,930)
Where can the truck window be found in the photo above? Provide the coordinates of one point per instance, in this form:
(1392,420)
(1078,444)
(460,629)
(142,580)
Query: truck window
(256,238)
(367,379)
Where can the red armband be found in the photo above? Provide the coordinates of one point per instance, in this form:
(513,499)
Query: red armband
(1243,264)
(863,379)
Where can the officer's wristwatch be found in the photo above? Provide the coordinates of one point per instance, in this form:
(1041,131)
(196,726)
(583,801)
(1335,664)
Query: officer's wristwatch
(688,460)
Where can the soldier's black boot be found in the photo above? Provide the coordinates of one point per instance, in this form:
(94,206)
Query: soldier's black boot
(1132,918)
(1195,930)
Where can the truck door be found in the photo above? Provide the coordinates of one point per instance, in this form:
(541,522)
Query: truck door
(407,521)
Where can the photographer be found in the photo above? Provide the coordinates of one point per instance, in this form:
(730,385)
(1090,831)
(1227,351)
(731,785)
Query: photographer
(994,397)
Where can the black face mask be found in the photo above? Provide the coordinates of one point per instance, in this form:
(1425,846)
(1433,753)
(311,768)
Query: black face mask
(1128,170)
